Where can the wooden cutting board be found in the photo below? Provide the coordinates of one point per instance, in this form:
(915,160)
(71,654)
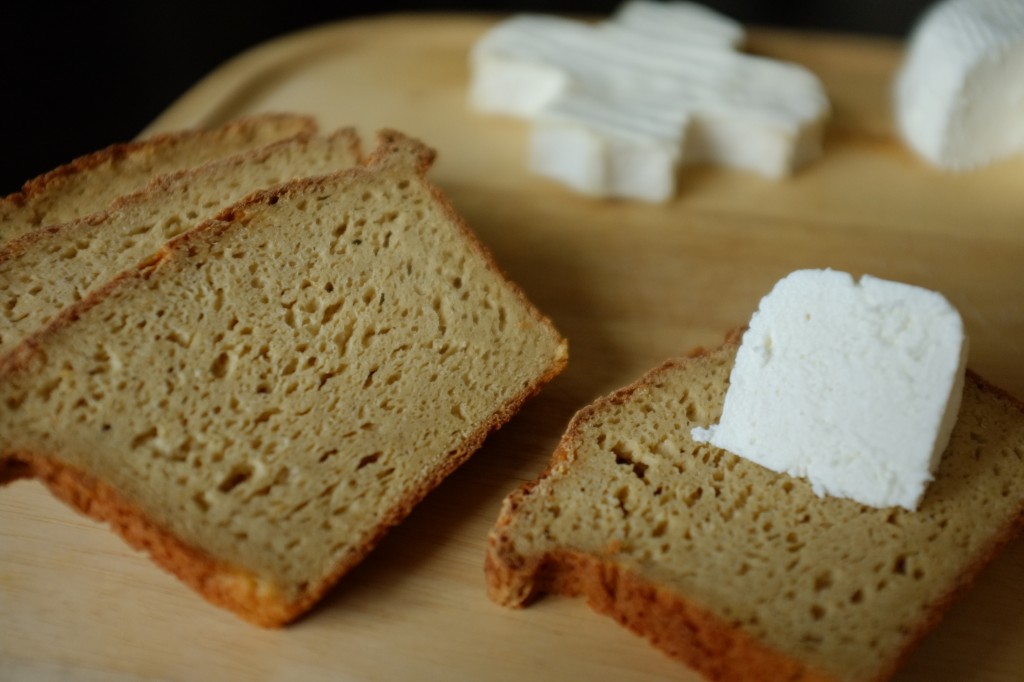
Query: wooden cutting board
(629,284)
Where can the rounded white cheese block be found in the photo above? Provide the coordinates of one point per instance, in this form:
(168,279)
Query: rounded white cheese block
(854,385)
(959,95)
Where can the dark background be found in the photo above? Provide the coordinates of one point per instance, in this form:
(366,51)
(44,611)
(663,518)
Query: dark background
(88,74)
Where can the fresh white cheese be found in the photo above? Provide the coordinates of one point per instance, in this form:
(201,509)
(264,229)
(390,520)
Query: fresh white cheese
(959,95)
(753,113)
(681,22)
(528,60)
(609,148)
(518,67)
(619,106)
(854,385)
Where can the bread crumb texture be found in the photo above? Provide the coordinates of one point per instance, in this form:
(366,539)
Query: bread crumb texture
(259,403)
(46,270)
(743,573)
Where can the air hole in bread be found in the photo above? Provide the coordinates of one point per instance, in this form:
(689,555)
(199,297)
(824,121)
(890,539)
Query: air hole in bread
(622,496)
(327,376)
(200,501)
(46,390)
(266,415)
(145,437)
(238,475)
(221,366)
(369,459)
(625,458)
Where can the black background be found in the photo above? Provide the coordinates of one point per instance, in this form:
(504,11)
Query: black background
(82,75)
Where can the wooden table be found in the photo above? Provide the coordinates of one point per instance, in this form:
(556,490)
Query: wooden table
(629,284)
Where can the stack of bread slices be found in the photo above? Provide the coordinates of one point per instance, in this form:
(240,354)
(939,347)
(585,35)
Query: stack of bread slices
(251,351)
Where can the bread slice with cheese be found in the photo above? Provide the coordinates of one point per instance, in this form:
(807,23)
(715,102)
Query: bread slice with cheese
(740,572)
(90,183)
(48,269)
(258,404)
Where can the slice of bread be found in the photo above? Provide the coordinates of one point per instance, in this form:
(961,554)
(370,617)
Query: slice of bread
(50,268)
(258,404)
(740,572)
(90,183)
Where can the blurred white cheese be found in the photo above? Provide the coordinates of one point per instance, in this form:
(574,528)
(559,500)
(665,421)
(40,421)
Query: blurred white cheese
(684,22)
(656,87)
(854,385)
(960,93)
(518,66)
(747,112)
(609,148)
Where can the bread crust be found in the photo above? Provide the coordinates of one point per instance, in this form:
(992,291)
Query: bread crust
(219,583)
(52,180)
(224,585)
(14,247)
(673,622)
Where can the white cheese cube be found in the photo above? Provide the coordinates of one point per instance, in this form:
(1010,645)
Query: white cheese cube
(960,93)
(854,385)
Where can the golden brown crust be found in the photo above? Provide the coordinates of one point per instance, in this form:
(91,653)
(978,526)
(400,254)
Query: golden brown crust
(671,621)
(14,247)
(52,180)
(351,136)
(220,584)
(676,625)
(398,148)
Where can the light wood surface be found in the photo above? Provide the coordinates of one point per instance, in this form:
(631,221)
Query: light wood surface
(629,285)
